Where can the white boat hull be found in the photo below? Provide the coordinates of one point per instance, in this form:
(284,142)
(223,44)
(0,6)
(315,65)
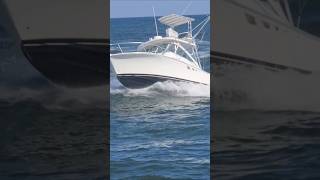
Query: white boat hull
(66,41)
(279,46)
(140,69)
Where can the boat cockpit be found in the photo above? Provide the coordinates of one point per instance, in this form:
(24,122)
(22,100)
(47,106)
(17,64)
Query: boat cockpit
(172,47)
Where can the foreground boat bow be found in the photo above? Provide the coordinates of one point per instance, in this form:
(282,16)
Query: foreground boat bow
(64,40)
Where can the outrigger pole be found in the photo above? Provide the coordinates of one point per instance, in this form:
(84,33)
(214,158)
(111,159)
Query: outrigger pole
(202,24)
(155,21)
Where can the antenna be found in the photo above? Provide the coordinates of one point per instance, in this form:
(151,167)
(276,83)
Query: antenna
(155,21)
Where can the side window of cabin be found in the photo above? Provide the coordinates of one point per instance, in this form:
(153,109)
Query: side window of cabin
(182,53)
(153,49)
(171,48)
(251,19)
(266,24)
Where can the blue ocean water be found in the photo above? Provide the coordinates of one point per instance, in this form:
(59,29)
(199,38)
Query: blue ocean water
(163,131)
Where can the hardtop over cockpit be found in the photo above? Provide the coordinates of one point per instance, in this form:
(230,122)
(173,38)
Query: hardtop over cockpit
(181,44)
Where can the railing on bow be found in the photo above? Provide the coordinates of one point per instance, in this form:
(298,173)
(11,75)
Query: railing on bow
(124,47)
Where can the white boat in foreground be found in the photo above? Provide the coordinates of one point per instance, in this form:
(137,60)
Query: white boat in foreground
(267,35)
(173,57)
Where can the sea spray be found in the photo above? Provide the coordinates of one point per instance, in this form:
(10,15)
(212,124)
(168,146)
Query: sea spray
(167,88)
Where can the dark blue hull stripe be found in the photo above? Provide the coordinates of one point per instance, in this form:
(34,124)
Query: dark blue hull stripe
(220,58)
(70,62)
(136,81)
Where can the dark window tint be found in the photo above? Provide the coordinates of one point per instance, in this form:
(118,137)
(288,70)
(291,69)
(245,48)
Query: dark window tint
(251,19)
(266,24)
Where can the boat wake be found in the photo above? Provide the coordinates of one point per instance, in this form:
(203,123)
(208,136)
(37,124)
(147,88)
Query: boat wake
(58,97)
(238,88)
(167,88)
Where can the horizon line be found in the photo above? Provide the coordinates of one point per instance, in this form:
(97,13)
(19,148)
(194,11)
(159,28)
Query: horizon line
(156,16)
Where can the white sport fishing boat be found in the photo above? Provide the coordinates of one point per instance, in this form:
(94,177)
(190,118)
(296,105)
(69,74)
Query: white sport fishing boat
(173,57)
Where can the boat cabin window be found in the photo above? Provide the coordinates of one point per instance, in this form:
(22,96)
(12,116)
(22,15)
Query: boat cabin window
(266,24)
(156,49)
(177,50)
(251,19)
(182,53)
(169,48)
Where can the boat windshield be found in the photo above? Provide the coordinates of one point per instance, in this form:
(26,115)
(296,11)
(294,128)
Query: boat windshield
(169,48)
(157,49)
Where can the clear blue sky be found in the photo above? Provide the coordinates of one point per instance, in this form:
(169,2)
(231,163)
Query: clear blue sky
(142,8)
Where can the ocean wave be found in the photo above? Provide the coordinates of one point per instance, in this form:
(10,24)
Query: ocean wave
(158,144)
(197,160)
(57,97)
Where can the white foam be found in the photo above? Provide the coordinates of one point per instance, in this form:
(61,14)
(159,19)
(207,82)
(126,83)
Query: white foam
(157,144)
(167,88)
